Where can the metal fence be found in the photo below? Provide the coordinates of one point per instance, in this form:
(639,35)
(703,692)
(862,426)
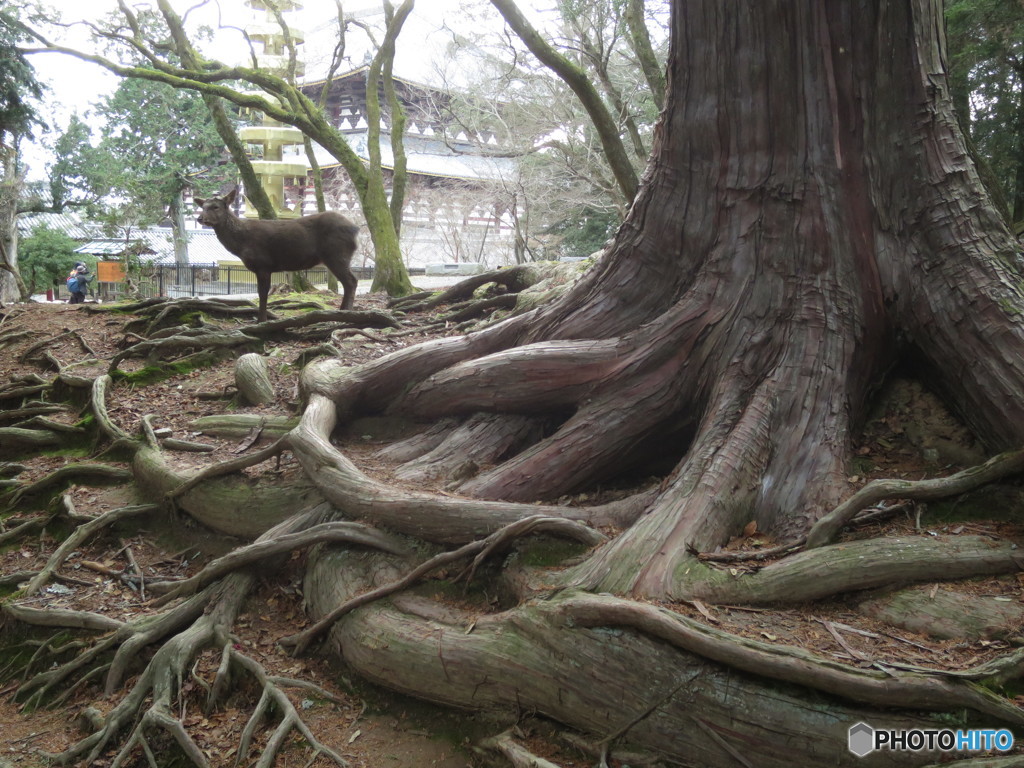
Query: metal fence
(176,281)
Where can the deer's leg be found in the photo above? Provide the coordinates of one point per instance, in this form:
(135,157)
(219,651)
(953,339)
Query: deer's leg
(263,287)
(348,281)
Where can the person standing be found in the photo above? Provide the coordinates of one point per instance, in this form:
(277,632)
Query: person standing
(78,283)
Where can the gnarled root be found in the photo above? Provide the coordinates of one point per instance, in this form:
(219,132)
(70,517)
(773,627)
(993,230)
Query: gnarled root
(516,754)
(333,319)
(242,557)
(655,679)
(126,640)
(825,571)
(273,696)
(512,280)
(86,473)
(161,682)
(479,550)
(186,631)
(205,340)
(996,468)
(82,534)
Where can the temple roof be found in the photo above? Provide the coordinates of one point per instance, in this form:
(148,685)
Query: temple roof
(429,157)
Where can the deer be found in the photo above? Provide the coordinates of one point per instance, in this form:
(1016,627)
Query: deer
(284,245)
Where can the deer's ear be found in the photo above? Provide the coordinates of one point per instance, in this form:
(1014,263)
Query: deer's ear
(229,198)
(198,201)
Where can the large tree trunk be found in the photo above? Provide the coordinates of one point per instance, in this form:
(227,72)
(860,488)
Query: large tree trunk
(810,212)
(12,287)
(810,216)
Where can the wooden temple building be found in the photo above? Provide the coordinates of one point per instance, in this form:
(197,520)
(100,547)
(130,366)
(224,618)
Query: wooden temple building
(459,194)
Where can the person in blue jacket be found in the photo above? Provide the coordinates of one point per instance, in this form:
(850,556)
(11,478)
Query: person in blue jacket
(78,283)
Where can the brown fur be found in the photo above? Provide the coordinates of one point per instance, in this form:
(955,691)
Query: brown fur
(284,245)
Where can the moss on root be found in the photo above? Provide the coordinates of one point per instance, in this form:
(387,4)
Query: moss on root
(151,374)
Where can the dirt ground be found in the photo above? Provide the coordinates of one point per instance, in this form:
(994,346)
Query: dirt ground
(907,435)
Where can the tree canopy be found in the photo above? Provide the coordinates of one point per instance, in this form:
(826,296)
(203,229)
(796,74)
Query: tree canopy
(987,71)
(155,141)
(19,88)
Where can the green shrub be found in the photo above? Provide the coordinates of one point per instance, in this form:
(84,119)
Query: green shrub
(47,255)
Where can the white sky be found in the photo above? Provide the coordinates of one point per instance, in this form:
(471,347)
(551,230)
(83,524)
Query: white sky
(76,85)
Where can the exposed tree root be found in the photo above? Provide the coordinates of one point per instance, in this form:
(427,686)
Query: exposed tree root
(155,701)
(482,439)
(134,307)
(419,444)
(82,534)
(513,279)
(320,350)
(625,756)
(944,613)
(29,351)
(86,474)
(23,528)
(479,550)
(24,386)
(637,653)
(59,427)
(242,557)
(17,441)
(241,424)
(98,404)
(163,313)
(516,754)
(228,467)
(7,338)
(427,516)
(336,317)
(206,340)
(865,564)
(996,468)
(789,664)
(57,617)
(773,265)
(161,682)
(230,503)
(252,379)
(22,391)
(760,554)
(18,414)
(474,310)
(377,384)
(187,446)
(273,696)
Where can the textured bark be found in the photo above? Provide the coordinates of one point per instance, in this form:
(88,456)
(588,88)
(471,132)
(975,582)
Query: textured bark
(252,377)
(487,444)
(242,424)
(238,506)
(689,706)
(946,614)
